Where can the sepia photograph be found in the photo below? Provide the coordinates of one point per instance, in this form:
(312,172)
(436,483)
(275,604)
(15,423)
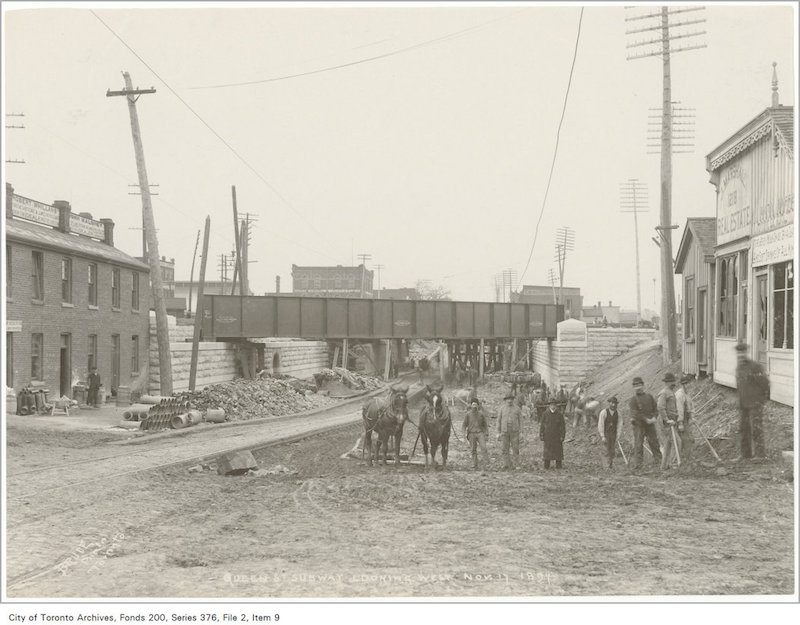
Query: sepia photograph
(329,305)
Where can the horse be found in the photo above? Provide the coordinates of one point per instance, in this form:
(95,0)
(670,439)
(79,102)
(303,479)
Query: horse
(583,406)
(574,397)
(434,426)
(386,418)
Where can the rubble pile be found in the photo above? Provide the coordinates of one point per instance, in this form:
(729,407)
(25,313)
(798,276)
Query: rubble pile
(251,399)
(349,378)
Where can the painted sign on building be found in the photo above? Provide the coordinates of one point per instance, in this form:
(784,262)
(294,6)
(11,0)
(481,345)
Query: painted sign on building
(773,247)
(23,208)
(734,201)
(86,227)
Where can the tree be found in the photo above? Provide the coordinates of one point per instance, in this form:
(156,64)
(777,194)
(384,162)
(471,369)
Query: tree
(425,290)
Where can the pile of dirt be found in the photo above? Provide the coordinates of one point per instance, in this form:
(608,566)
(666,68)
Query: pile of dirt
(250,399)
(340,382)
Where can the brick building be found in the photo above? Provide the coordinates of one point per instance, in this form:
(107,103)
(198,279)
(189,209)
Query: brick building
(335,281)
(533,294)
(73,301)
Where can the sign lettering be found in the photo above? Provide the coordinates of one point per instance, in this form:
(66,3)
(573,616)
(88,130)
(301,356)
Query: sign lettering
(32,210)
(773,247)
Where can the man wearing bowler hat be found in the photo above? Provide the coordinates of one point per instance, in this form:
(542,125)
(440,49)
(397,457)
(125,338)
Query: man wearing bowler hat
(509,424)
(609,426)
(668,415)
(753,386)
(643,419)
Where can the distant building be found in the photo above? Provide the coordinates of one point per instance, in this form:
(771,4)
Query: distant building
(335,281)
(532,294)
(401,294)
(73,300)
(599,314)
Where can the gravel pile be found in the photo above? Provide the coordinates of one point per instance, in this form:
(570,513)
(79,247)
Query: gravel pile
(250,399)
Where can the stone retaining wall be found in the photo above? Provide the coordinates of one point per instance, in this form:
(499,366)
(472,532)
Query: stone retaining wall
(216,362)
(561,362)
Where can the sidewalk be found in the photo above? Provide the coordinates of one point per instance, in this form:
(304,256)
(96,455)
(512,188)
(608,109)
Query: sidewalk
(107,417)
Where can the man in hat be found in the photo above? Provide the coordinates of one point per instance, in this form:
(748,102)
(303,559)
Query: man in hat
(685,413)
(509,424)
(609,426)
(551,431)
(476,428)
(753,386)
(668,415)
(643,419)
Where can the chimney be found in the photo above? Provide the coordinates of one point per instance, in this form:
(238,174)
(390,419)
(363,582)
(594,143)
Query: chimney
(277,284)
(599,304)
(609,303)
(64,211)
(108,231)
(9,193)
(774,85)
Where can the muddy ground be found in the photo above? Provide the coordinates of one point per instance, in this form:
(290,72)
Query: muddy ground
(323,526)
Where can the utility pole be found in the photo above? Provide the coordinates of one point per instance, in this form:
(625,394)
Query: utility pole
(551,276)
(660,46)
(633,196)
(565,241)
(364,258)
(162,327)
(191,273)
(198,317)
(238,260)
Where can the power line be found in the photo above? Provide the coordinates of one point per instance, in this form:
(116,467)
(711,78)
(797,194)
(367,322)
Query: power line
(358,62)
(207,125)
(555,151)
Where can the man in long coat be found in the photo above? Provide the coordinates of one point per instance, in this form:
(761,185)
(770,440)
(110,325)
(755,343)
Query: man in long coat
(753,386)
(552,430)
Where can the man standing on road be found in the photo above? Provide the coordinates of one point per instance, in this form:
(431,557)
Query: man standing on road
(509,424)
(668,414)
(476,428)
(685,413)
(753,386)
(609,426)
(643,419)
(94,388)
(551,431)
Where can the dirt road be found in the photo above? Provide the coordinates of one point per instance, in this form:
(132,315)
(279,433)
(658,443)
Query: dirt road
(337,528)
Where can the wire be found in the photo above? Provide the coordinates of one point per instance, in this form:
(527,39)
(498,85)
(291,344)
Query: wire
(555,151)
(207,125)
(360,61)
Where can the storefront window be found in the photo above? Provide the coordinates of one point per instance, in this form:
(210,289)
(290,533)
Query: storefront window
(783,305)
(37,356)
(728,294)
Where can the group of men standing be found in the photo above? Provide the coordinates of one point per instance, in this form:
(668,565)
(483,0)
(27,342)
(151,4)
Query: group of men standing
(671,412)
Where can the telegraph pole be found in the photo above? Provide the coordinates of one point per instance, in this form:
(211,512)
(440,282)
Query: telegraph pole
(565,240)
(162,327)
(18,161)
(633,195)
(660,46)
(379,267)
(191,273)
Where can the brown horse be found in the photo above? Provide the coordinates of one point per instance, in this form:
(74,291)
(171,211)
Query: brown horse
(434,426)
(385,417)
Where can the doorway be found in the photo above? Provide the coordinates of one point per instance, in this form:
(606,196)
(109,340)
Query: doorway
(65,367)
(702,324)
(762,318)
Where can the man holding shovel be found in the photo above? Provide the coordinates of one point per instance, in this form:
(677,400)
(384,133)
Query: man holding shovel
(668,413)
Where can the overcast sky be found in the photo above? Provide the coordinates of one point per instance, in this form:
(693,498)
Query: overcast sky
(422,135)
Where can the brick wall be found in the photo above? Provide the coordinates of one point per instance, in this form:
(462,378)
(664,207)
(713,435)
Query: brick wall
(52,318)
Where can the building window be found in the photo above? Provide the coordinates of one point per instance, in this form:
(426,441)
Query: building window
(134,354)
(66,280)
(115,288)
(37,356)
(8,271)
(37,275)
(135,292)
(10,359)
(783,305)
(92,352)
(688,315)
(728,293)
(92,278)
